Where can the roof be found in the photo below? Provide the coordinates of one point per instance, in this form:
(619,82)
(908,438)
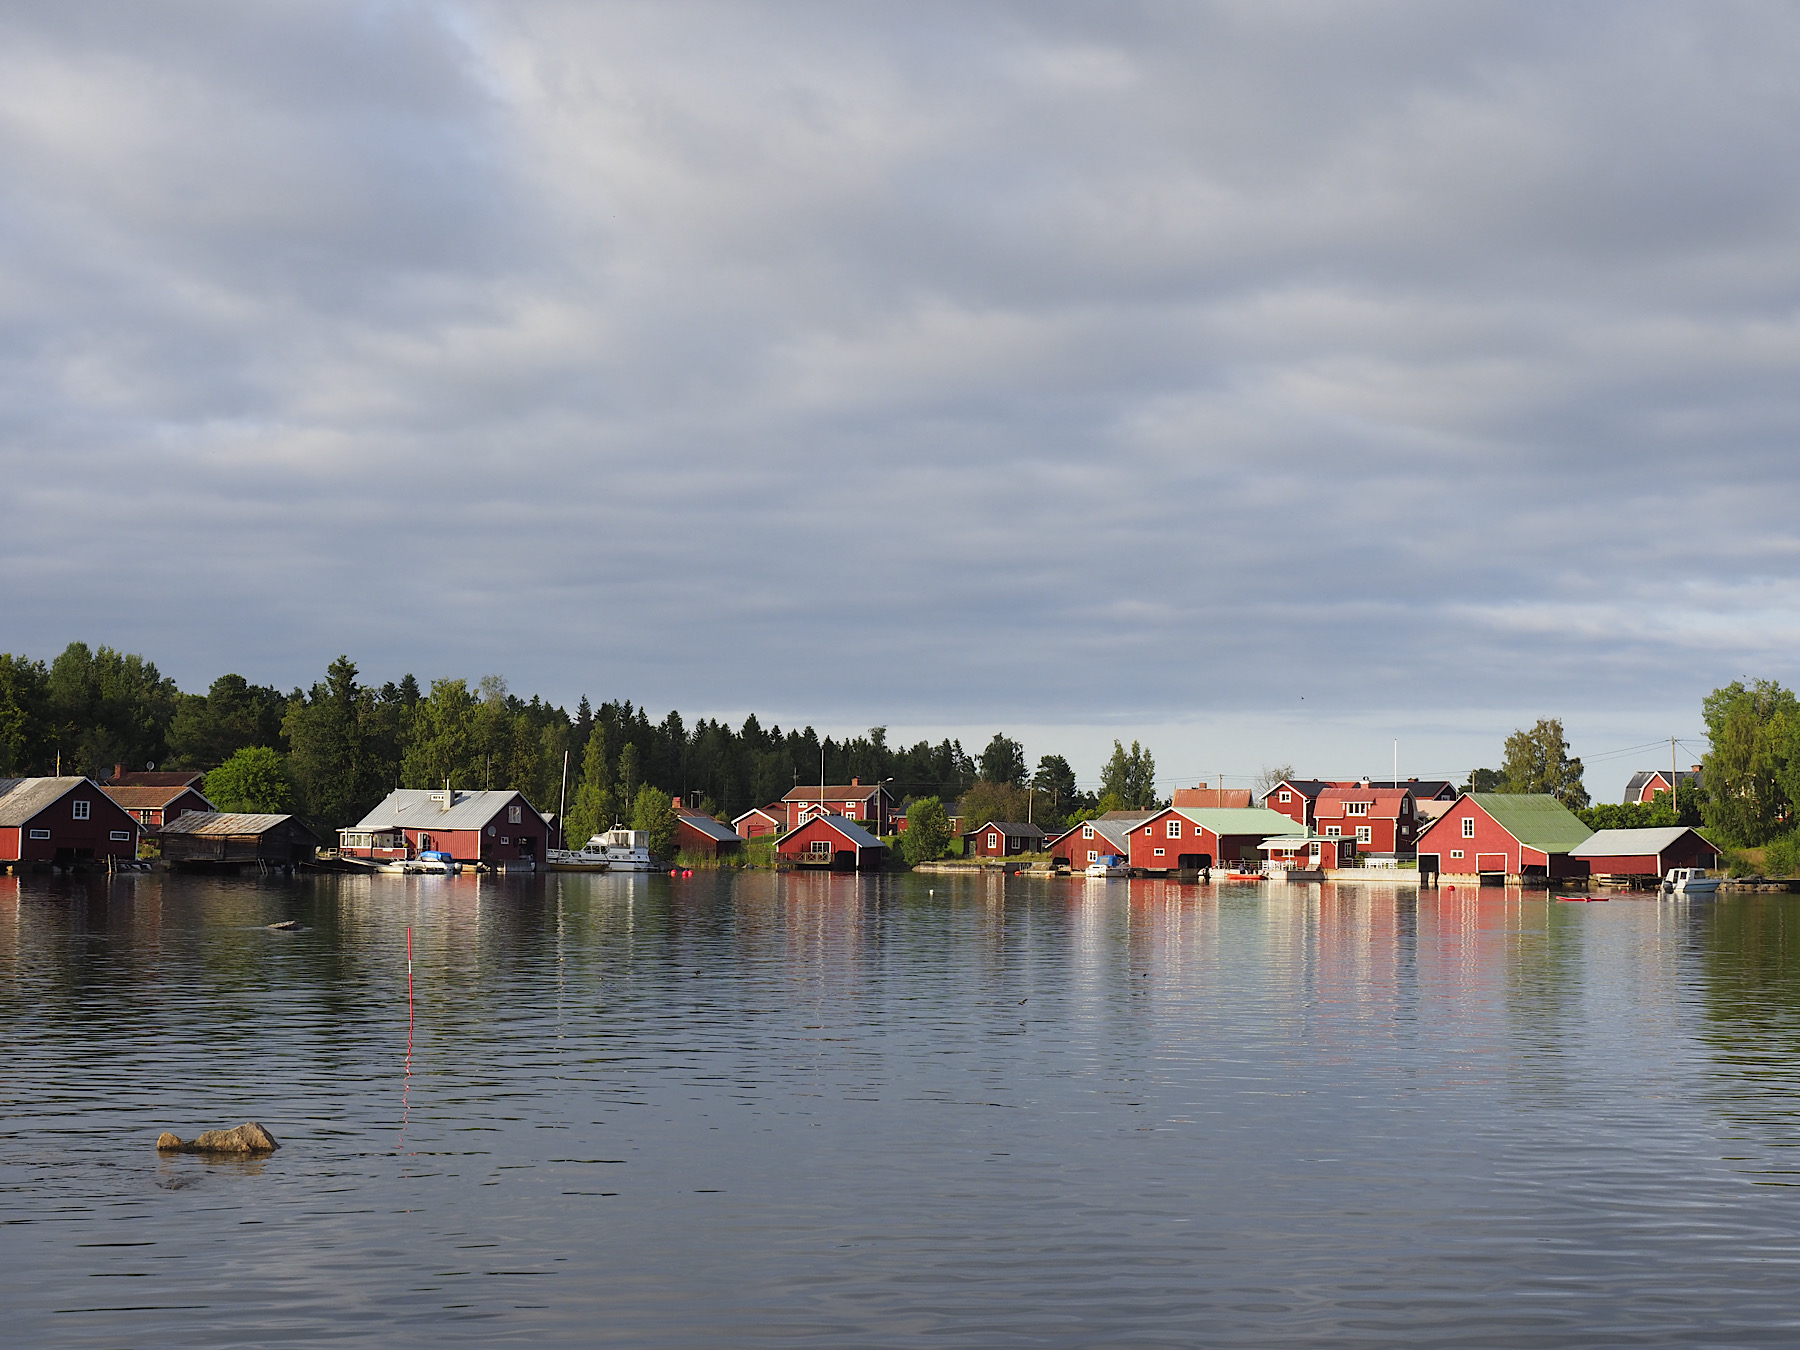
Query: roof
(134,797)
(169,778)
(1623,843)
(215,824)
(1257,820)
(1010,827)
(416,809)
(849,791)
(773,811)
(1387,798)
(1306,787)
(1128,817)
(1421,788)
(1533,818)
(1230,798)
(23,798)
(855,833)
(709,827)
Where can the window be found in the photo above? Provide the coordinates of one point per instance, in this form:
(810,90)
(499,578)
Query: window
(425,841)
(1287,796)
(1468,827)
(821,846)
(1313,851)
(40,834)
(1456,853)
(1356,808)
(1092,855)
(506,839)
(1087,832)
(1149,830)
(1364,834)
(121,834)
(81,810)
(1159,852)
(1333,831)
(1174,829)
(993,840)
(512,815)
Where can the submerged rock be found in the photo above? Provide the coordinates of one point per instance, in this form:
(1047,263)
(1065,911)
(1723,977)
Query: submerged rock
(246,1138)
(287,926)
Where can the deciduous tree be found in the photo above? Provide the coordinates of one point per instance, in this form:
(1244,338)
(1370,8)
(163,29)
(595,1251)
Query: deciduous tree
(927,831)
(1537,760)
(253,780)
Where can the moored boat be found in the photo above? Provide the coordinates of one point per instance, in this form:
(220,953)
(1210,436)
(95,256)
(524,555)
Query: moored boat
(1689,881)
(1108,865)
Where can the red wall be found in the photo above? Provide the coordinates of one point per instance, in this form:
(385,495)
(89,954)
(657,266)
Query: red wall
(1386,834)
(798,843)
(105,816)
(1295,810)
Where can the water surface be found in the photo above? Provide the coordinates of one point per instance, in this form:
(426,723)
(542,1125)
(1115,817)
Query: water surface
(773,1110)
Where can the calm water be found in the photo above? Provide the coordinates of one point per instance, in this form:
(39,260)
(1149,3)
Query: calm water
(761,1110)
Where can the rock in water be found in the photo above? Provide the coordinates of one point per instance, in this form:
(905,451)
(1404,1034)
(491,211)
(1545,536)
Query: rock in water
(246,1138)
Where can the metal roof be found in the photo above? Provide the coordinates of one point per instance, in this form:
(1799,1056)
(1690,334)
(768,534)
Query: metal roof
(1257,820)
(1533,818)
(23,798)
(1635,787)
(417,809)
(137,797)
(711,828)
(855,833)
(1620,843)
(849,791)
(1017,828)
(214,824)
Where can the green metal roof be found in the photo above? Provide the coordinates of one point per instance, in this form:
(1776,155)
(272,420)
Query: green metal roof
(1534,818)
(1255,820)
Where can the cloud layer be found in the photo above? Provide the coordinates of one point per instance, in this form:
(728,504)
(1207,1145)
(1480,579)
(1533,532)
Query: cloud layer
(1029,364)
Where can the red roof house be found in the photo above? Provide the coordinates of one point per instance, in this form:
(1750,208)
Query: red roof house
(833,842)
(154,807)
(62,821)
(1381,820)
(870,803)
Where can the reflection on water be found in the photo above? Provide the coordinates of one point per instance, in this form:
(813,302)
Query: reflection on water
(763,1109)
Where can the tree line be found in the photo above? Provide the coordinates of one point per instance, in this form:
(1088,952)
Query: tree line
(330,752)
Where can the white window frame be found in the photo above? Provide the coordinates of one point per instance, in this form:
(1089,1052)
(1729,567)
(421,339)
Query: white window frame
(40,834)
(1468,827)
(83,810)
(121,835)
(1172,829)
(1160,852)
(1092,854)
(1087,831)
(993,839)
(1287,796)
(820,846)
(1356,808)
(513,816)
(1365,834)
(1456,853)
(1333,831)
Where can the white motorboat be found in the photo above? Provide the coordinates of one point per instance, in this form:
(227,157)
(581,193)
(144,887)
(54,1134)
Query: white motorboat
(621,850)
(431,862)
(591,857)
(1690,881)
(1108,865)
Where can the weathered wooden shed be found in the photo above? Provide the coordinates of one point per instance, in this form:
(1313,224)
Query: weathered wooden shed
(216,838)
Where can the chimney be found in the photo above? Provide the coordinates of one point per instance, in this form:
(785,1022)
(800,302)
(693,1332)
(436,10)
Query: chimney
(449,797)
(677,803)
(856,782)
(1697,768)
(118,772)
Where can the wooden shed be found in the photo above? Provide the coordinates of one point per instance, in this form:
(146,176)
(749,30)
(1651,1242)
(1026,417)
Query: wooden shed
(226,838)
(1648,852)
(833,842)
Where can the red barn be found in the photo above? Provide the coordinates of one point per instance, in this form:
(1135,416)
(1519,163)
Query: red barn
(1523,835)
(154,807)
(699,834)
(1191,838)
(1381,820)
(1002,839)
(62,821)
(1089,841)
(831,841)
(759,821)
(499,828)
(1646,783)
(1644,853)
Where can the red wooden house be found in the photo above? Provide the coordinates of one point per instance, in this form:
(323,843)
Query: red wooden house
(1380,820)
(1088,842)
(833,842)
(871,804)
(1644,853)
(1293,797)
(500,828)
(62,821)
(1002,839)
(1523,835)
(154,807)
(759,821)
(1646,783)
(1190,838)
(699,834)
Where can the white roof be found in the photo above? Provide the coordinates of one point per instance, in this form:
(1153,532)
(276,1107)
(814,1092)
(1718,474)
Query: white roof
(413,809)
(1621,843)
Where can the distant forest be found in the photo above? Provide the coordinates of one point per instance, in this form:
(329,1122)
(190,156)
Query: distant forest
(333,751)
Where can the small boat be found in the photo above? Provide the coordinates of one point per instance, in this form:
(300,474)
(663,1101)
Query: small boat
(431,862)
(1689,881)
(1108,865)
(1581,899)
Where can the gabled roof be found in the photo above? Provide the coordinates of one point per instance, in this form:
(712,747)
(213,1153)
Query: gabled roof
(1129,817)
(23,798)
(773,811)
(1015,828)
(418,809)
(1386,800)
(1115,832)
(709,827)
(1641,779)
(851,792)
(1257,820)
(850,830)
(1533,818)
(1422,789)
(1622,843)
(1306,787)
(135,798)
(214,824)
(1229,798)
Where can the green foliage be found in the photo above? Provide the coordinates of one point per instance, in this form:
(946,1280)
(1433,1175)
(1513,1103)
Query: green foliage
(1107,803)
(991,801)
(1485,780)
(253,780)
(24,716)
(1003,761)
(444,742)
(209,728)
(1130,777)
(631,777)
(927,831)
(1751,773)
(654,811)
(1056,791)
(107,708)
(593,807)
(1781,855)
(1537,760)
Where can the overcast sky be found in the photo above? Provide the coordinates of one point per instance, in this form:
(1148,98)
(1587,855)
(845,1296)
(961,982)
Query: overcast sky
(1268,381)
